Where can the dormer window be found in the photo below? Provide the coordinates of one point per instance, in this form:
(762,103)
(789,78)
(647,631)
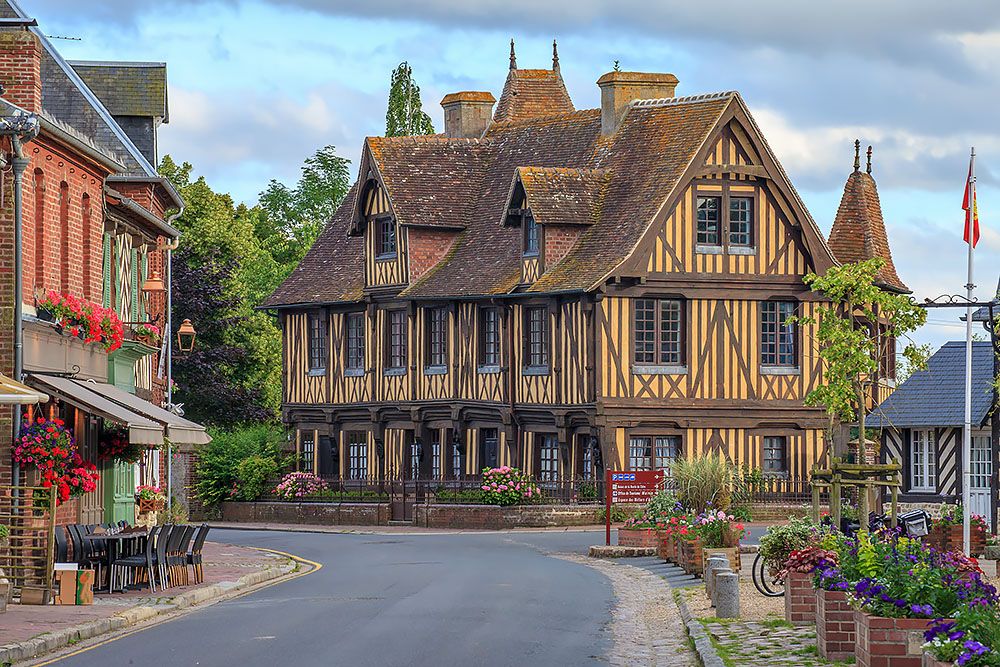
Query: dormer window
(531,236)
(385,236)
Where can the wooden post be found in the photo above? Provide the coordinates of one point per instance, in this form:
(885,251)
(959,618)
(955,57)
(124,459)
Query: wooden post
(835,500)
(865,505)
(815,499)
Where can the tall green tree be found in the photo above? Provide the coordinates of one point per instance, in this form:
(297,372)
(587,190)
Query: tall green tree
(405,116)
(291,218)
(854,330)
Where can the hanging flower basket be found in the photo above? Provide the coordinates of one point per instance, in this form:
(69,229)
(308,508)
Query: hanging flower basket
(114,445)
(88,321)
(48,447)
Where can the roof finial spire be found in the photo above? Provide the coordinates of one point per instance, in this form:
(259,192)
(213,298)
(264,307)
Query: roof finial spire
(555,57)
(513,59)
(857,155)
(869,168)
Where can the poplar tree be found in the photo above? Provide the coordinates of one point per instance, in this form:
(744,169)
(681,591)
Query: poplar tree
(405,116)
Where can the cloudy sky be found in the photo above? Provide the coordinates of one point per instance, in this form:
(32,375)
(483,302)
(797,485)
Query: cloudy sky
(256,86)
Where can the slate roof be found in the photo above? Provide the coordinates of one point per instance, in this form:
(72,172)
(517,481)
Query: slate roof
(560,196)
(67,98)
(613,185)
(934,397)
(858,232)
(333,270)
(127,88)
(983,313)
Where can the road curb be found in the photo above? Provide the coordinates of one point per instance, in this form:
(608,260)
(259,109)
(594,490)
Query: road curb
(49,642)
(376,530)
(707,654)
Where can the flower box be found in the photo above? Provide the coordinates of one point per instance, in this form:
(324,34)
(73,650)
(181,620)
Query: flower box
(637,537)
(931,661)
(691,556)
(150,505)
(889,642)
(800,599)
(949,538)
(732,554)
(835,630)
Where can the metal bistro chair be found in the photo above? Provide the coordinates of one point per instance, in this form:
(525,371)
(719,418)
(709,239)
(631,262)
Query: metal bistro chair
(178,556)
(62,545)
(194,558)
(136,564)
(84,552)
(162,540)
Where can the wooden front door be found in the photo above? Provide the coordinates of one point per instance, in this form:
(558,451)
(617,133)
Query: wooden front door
(981,467)
(489,448)
(91,504)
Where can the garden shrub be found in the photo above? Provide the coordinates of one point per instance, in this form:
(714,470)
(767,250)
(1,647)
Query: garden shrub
(220,459)
(252,477)
(296,485)
(508,486)
(777,544)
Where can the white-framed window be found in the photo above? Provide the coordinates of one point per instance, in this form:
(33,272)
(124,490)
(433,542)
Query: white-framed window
(923,463)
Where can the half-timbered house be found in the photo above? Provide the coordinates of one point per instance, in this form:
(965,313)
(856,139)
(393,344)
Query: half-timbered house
(561,290)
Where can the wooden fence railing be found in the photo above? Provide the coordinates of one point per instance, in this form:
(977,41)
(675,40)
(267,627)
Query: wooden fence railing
(27,561)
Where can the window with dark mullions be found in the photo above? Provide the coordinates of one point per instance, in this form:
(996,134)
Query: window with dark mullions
(396,357)
(777,335)
(741,221)
(436,324)
(531,236)
(436,454)
(537,340)
(357,455)
(708,221)
(355,342)
(659,327)
(385,230)
(776,455)
(654,452)
(489,337)
(317,343)
(548,458)
(307,452)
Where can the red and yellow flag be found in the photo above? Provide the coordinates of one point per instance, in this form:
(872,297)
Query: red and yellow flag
(969,205)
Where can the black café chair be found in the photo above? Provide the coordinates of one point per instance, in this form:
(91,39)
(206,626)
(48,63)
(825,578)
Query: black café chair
(194,558)
(162,542)
(178,555)
(83,550)
(62,545)
(137,564)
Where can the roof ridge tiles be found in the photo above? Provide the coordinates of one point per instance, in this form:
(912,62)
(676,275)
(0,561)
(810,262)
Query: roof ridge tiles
(688,99)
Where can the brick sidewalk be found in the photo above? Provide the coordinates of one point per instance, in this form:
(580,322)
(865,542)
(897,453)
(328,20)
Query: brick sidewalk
(223,563)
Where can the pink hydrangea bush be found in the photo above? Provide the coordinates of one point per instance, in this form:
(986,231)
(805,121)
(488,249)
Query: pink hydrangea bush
(508,486)
(296,485)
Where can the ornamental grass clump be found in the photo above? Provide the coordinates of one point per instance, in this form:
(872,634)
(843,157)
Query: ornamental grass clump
(703,482)
(298,485)
(508,486)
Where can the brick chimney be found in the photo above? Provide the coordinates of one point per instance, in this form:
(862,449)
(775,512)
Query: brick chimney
(620,88)
(21,69)
(467,114)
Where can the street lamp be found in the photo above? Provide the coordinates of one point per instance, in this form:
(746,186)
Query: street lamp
(185,336)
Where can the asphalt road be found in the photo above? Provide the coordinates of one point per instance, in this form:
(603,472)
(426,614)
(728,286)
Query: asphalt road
(385,600)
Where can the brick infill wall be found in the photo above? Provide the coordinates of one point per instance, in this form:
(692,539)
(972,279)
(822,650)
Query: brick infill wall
(329,514)
(889,642)
(835,631)
(800,599)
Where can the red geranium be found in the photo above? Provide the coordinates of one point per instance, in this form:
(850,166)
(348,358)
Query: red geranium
(49,447)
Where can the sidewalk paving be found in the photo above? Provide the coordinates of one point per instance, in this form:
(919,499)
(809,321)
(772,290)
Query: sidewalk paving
(31,630)
(392,530)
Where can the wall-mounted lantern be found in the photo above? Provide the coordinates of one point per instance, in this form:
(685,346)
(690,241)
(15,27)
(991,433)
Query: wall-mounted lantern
(152,284)
(185,336)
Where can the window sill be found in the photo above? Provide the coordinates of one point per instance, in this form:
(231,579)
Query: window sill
(657,369)
(742,250)
(780,370)
(536,370)
(316,372)
(708,249)
(394,372)
(488,370)
(354,372)
(435,370)
(389,256)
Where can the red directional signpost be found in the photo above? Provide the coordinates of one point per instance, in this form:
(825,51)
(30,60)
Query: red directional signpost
(635,487)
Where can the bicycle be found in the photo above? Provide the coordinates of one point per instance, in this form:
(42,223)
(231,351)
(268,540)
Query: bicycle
(768,585)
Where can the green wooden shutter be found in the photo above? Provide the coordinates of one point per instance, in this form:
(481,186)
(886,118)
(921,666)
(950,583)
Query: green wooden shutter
(143,311)
(107,271)
(133,310)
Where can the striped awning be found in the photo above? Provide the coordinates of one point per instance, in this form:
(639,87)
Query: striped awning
(13,392)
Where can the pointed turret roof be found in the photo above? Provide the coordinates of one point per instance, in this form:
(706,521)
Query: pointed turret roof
(858,232)
(533,93)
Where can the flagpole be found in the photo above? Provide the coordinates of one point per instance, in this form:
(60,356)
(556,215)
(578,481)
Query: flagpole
(967,435)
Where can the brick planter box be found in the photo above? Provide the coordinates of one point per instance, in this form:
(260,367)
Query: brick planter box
(931,661)
(835,631)
(637,537)
(889,642)
(949,538)
(691,556)
(667,547)
(732,554)
(800,599)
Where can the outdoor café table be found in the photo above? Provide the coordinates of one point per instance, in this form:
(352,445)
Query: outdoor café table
(113,544)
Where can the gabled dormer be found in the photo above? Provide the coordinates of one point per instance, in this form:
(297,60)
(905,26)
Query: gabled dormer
(552,206)
(385,246)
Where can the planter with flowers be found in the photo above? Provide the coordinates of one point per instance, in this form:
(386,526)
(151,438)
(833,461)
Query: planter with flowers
(690,553)
(113,445)
(946,531)
(82,319)
(508,486)
(149,499)
(146,333)
(638,531)
(800,596)
(720,533)
(836,632)
(47,447)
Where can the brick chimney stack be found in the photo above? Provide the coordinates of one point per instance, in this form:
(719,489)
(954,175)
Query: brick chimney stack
(620,88)
(467,114)
(21,69)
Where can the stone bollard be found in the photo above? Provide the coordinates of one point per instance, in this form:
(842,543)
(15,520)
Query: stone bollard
(727,595)
(714,563)
(715,581)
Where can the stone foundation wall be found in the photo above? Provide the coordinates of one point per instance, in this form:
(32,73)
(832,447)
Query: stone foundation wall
(328,514)
(494,517)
